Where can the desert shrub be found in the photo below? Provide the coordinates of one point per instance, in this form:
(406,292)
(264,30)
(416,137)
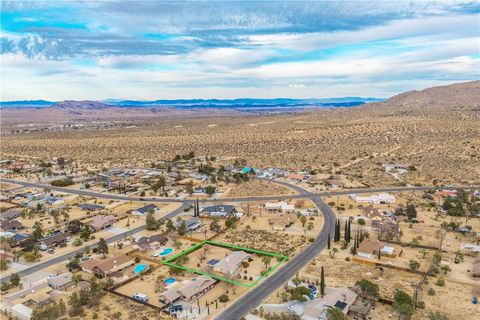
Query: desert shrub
(361,222)
(223,298)
(440,283)
(431,292)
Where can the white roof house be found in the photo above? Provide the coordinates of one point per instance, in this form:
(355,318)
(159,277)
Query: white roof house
(340,298)
(279,206)
(381,198)
(21,312)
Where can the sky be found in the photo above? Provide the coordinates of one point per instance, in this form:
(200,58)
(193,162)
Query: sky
(147,50)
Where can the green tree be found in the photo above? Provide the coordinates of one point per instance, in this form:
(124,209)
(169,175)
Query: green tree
(403,303)
(322,282)
(210,190)
(303,220)
(414,264)
(266,261)
(102,247)
(151,222)
(14,279)
(335,314)
(368,288)
(4,264)
(37,232)
(424,253)
(170,226)
(182,228)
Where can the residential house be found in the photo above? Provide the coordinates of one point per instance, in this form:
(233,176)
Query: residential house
(11,225)
(107,266)
(10,214)
(340,298)
(90,206)
(53,201)
(61,281)
(372,213)
(447,193)
(102,222)
(21,312)
(360,309)
(279,207)
(53,240)
(229,265)
(381,198)
(219,210)
(151,242)
(297,177)
(193,224)
(369,248)
(476,269)
(188,290)
(281,222)
(386,227)
(146,209)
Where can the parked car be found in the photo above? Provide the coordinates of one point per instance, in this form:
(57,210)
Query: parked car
(140,297)
(175,308)
(51,251)
(85,258)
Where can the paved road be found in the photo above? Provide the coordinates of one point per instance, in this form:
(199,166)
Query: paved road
(302,193)
(64,257)
(262,291)
(259,293)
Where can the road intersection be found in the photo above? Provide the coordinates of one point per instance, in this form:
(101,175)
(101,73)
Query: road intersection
(256,295)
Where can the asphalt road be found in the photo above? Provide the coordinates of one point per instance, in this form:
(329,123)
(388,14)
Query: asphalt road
(302,193)
(259,293)
(64,257)
(262,291)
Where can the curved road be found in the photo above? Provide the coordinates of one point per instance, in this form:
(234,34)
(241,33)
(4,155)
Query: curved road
(259,293)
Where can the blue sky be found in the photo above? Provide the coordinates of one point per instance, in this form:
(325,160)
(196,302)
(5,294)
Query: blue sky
(60,50)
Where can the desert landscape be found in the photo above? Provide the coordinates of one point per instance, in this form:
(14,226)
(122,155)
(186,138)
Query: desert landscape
(436,131)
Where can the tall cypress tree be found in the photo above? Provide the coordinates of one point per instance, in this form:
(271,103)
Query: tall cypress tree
(322,283)
(349,230)
(339,233)
(328,243)
(345,236)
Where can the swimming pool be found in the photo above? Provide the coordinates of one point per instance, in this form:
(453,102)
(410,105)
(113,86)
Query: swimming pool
(169,281)
(165,252)
(139,268)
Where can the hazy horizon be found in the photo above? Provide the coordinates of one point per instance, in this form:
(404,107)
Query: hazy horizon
(146,50)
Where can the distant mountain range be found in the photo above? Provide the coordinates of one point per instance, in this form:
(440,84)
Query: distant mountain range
(243,103)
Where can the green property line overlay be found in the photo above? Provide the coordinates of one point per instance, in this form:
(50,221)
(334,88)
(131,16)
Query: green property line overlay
(169,261)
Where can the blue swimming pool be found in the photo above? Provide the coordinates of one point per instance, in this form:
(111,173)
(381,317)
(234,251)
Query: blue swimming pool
(139,268)
(169,281)
(166,252)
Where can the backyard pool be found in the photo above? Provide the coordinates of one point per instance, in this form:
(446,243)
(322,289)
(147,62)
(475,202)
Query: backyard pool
(170,281)
(139,268)
(165,252)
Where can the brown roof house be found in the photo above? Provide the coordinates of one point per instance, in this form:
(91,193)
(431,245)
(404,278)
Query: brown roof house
(281,222)
(229,265)
(108,266)
(151,243)
(54,240)
(188,290)
(386,228)
(372,213)
(476,269)
(11,225)
(369,248)
(102,222)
